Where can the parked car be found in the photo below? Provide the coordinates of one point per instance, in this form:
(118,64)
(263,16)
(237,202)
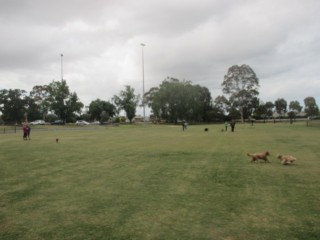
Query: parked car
(82,122)
(95,123)
(58,122)
(38,122)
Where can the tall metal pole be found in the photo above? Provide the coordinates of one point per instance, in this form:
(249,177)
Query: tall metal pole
(143,100)
(61,67)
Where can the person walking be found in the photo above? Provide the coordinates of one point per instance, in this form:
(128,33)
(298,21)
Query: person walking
(226,125)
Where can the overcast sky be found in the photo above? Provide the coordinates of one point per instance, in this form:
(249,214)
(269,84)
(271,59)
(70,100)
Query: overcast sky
(189,40)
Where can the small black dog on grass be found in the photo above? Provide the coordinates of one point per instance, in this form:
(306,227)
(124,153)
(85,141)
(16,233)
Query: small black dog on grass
(206,129)
(57,140)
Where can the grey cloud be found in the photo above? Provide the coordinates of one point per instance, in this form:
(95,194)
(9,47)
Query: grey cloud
(193,40)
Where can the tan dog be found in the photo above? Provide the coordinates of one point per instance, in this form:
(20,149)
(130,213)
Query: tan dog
(286,159)
(256,156)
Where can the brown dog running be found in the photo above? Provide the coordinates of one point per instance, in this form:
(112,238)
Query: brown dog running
(286,159)
(256,156)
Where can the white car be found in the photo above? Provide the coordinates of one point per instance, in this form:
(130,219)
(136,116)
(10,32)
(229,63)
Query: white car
(82,122)
(38,122)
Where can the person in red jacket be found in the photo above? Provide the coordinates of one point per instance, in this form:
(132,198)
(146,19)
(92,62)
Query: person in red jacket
(25,131)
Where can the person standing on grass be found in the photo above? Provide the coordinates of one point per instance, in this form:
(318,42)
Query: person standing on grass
(184,126)
(28,132)
(226,125)
(232,124)
(25,131)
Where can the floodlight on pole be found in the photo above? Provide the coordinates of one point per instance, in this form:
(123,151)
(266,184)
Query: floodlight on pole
(143,100)
(61,67)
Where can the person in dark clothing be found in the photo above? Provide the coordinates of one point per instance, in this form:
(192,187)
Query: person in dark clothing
(28,132)
(184,125)
(25,132)
(232,124)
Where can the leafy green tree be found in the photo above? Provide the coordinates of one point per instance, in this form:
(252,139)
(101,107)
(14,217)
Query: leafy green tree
(104,116)
(171,99)
(63,103)
(127,101)
(50,117)
(97,106)
(152,100)
(294,109)
(269,107)
(281,106)
(32,109)
(311,107)
(58,96)
(250,111)
(222,105)
(261,111)
(265,110)
(201,103)
(241,84)
(175,99)
(40,95)
(13,105)
(234,113)
(74,107)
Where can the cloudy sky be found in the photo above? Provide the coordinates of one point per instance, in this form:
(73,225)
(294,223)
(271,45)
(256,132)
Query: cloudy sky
(195,40)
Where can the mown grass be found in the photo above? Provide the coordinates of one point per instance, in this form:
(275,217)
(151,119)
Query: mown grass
(158,182)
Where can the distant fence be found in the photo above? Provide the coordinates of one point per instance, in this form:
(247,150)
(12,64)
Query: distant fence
(9,129)
(12,129)
(314,123)
(279,120)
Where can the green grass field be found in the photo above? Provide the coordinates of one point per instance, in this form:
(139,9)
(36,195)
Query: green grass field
(158,182)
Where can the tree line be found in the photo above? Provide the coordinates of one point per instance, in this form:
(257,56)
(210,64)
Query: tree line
(171,101)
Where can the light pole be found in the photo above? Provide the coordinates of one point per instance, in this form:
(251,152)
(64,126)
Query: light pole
(143,102)
(61,67)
